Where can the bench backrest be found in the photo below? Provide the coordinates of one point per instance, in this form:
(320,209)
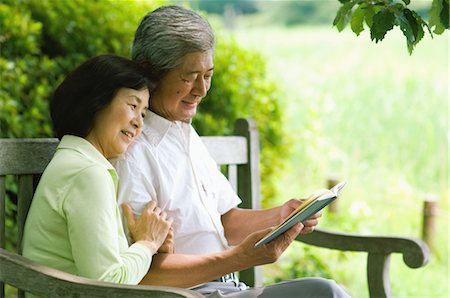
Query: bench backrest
(24,160)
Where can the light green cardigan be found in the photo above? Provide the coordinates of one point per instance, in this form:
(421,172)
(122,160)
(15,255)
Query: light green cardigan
(74,223)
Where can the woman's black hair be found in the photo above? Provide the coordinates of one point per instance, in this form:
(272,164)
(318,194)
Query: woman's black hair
(90,88)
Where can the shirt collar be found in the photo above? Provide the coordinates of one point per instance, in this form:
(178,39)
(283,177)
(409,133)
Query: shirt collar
(156,127)
(85,148)
(88,150)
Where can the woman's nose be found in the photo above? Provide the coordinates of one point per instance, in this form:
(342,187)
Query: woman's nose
(138,121)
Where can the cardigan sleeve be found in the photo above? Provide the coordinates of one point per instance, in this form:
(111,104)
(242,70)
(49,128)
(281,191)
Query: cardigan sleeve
(99,246)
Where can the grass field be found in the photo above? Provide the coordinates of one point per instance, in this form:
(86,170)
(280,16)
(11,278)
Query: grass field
(377,117)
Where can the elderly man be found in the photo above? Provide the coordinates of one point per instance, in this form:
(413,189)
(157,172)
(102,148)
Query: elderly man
(169,164)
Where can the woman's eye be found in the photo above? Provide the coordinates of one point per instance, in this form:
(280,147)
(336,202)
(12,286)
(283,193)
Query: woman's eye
(133,106)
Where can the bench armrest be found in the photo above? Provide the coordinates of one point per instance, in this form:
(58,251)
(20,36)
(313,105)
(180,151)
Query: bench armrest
(28,276)
(415,253)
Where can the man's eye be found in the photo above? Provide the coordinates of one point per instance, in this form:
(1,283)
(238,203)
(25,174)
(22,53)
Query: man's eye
(133,106)
(189,78)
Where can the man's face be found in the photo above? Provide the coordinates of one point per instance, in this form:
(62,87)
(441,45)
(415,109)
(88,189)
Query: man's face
(181,90)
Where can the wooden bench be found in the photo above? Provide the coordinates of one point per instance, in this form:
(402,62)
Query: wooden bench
(25,159)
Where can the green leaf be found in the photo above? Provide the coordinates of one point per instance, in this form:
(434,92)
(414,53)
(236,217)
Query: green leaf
(420,24)
(413,20)
(408,25)
(343,16)
(370,12)
(406,28)
(444,15)
(358,19)
(396,7)
(435,13)
(411,25)
(383,21)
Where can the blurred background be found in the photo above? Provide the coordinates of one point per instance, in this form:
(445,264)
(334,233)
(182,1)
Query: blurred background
(329,105)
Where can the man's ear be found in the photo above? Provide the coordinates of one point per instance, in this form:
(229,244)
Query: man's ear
(151,72)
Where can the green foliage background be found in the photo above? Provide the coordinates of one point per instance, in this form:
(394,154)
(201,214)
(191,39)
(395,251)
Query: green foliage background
(376,117)
(382,15)
(42,40)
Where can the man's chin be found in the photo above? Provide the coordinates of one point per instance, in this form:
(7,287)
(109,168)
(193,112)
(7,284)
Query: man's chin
(190,116)
(188,120)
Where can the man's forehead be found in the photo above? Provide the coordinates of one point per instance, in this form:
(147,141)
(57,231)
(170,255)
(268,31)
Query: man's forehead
(197,62)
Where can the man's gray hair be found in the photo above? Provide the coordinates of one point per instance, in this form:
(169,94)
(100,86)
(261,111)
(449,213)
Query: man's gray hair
(167,34)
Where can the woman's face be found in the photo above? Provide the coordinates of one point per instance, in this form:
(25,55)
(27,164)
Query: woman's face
(116,126)
(181,89)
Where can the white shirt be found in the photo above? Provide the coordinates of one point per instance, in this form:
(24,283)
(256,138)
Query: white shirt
(169,163)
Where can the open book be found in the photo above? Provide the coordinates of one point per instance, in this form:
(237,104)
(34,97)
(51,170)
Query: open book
(308,208)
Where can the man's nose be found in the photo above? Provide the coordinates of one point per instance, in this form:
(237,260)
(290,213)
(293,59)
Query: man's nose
(201,87)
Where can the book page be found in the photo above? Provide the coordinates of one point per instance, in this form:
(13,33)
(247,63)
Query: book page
(306,203)
(312,205)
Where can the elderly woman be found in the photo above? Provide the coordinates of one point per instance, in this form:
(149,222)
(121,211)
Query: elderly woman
(74,222)
(169,164)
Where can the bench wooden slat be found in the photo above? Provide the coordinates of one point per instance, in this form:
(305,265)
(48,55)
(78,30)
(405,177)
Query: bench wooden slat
(2,223)
(2,211)
(227,150)
(49,282)
(25,156)
(30,156)
(24,197)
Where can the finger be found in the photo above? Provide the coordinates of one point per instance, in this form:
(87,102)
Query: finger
(310,223)
(260,234)
(170,233)
(287,237)
(170,221)
(294,203)
(307,230)
(151,206)
(316,215)
(128,214)
(169,238)
(294,231)
(157,210)
(163,215)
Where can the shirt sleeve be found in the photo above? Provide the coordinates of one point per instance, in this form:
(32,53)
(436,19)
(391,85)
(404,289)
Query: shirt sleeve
(227,197)
(99,247)
(135,187)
